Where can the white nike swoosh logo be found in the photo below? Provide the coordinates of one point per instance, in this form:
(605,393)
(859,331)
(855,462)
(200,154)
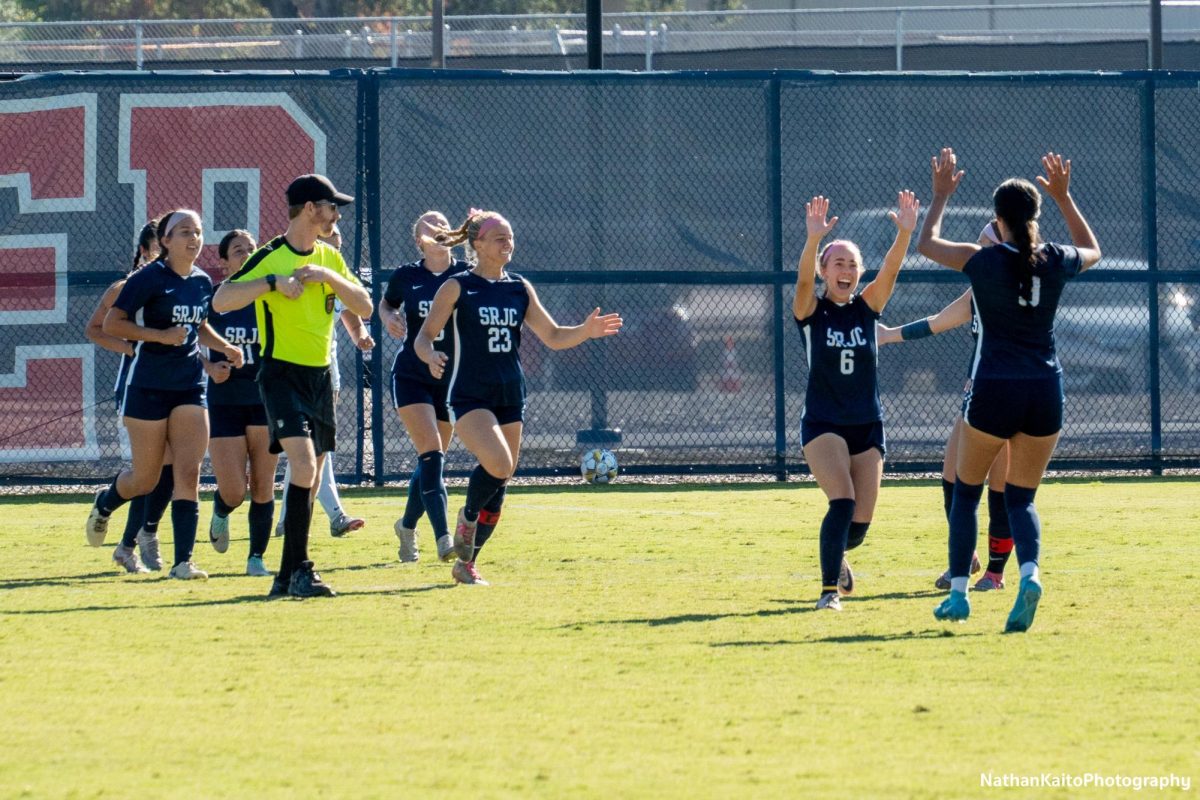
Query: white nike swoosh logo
(472,292)
(418,286)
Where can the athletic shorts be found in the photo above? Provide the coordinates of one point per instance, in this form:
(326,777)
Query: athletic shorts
(858,438)
(299,402)
(232,421)
(407,391)
(1004,407)
(504,414)
(506,400)
(156,404)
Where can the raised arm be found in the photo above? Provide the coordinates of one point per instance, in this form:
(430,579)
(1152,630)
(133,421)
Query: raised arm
(955,315)
(930,243)
(560,337)
(95,325)
(818,227)
(1057,184)
(439,314)
(879,291)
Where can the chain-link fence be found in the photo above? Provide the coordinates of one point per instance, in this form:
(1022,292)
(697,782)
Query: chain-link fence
(675,199)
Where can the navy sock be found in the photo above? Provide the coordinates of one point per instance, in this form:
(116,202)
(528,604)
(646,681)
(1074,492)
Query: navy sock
(260,517)
(415,507)
(159,498)
(296,519)
(964,527)
(137,513)
(1024,522)
(480,489)
(110,499)
(1000,542)
(489,518)
(433,491)
(185,515)
(858,532)
(947,496)
(834,530)
(220,507)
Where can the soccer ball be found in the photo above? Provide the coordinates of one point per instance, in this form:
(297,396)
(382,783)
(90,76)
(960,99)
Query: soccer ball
(598,466)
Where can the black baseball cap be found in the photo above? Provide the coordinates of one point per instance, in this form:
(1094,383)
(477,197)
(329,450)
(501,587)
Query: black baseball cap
(315,189)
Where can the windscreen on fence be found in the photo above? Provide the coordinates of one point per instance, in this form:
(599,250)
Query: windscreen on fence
(674,199)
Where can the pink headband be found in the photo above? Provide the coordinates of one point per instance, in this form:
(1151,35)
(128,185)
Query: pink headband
(176,218)
(488,224)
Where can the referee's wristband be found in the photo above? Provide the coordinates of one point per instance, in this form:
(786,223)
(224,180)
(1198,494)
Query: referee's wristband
(270,282)
(916,330)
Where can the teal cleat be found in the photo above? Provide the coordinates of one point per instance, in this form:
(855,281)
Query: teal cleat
(955,608)
(1021,616)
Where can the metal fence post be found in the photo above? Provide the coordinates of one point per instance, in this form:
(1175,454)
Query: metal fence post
(649,44)
(1150,218)
(775,171)
(299,43)
(137,36)
(899,41)
(370,177)
(437,30)
(392,42)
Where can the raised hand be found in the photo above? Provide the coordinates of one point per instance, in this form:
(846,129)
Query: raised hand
(815,212)
(909,207)
(598,326)
(946,174)
(1057,183)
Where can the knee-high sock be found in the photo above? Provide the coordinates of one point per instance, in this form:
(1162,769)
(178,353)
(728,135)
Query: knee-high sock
(110,499)
(480,489)
(414,507)
(220,507)
(1000,542)
(489,518)
(964,527)
(856,534)
(295,530)
(185,515)
(1024,522)
(159,498)
(137,515)
(328,493)
(947,496)
(260,517)
(835,529)
(433,491)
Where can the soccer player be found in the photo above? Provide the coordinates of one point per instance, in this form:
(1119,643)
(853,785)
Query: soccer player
(420,399)
(841,429)
(1016,390)
(487,388)
(296,279)
(955,315)
(238,421)
(164,307)
(145,511)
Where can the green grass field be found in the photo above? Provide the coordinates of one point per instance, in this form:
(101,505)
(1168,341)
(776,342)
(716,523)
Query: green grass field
(637,641)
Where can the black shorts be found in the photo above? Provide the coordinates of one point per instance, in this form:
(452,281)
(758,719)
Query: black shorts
(232,421)
(505,400)
(156,404)
(407,391)
(298,402)
(1004,407)
(858,438)
(504,414)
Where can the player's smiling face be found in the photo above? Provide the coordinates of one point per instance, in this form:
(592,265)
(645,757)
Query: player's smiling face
(185,240)
(842,269)
(496,245)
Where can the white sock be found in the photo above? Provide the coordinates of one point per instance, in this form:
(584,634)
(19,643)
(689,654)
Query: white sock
(958,585)
(1030,570)
(328,493)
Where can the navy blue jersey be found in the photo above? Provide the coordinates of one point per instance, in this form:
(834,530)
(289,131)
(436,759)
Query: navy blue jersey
(840,343)
(487,337)
(412,288)
(1016,335)
(240,328)
(156,297)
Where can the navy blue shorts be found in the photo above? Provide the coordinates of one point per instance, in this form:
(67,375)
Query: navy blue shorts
(156,404)
(231,421)
(407,391)
(504,414)
(1004,407)
(858,438)
(299,402)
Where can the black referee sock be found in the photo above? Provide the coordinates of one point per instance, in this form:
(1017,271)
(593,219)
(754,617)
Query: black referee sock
(834,530)
(185,516)
(260,517)
(296,519)
(159,498)
(947,496)
(489,518)
(480,489)
(433,490)
(220,507)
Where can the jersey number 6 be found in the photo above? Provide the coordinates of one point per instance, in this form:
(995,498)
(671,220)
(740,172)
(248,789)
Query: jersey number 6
(847,362)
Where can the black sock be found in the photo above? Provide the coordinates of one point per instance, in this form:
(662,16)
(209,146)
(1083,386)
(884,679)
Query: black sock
(185,515)
(433,491)
(489,517)
(110,499)
(260,517)
(296,520)
(1024,522)
(220,507)
(159,498)
(137,513)
(858,532)
(964,527)
(834,530)
(1000,542)
(947,496)
(480,489)
(414,507)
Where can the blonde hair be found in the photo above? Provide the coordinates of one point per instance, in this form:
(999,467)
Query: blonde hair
(849,245)
(468,232)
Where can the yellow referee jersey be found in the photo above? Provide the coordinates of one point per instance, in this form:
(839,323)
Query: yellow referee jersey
(297,331)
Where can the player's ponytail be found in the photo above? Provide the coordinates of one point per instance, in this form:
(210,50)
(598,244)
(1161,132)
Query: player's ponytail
(147,237)
(468,232)
(1018,203)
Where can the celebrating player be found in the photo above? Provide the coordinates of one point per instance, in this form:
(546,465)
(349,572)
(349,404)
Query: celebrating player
(842,426)
(1016,392)
(487,387)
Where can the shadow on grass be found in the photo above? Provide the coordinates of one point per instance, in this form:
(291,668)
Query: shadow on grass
(679,619)
(862,638)
(59,580)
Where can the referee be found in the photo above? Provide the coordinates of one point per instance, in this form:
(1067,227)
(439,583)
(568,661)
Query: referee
(296,279)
